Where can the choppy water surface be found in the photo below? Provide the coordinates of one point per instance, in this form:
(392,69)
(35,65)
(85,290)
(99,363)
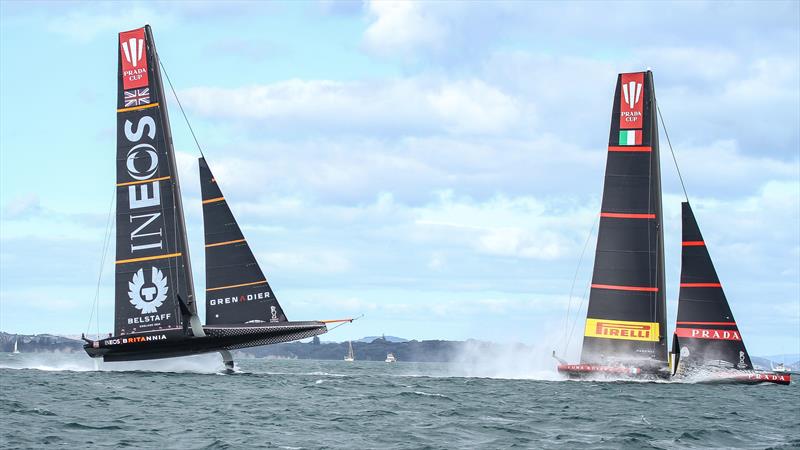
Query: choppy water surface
(60,400)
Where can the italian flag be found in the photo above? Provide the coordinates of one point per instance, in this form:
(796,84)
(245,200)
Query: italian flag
(630,137)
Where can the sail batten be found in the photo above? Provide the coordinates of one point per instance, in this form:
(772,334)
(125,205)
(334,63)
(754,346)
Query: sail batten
(626,313)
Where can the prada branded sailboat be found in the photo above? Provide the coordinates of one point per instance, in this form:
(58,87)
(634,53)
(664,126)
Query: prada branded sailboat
(155,304)
(707,344)
(624,333)
(625,327)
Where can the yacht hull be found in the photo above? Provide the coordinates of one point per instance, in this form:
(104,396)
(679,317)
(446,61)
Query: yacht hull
(738,377)
(175,343)
(617,372)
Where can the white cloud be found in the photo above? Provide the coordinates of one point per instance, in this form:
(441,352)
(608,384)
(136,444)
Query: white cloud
(424,104)
(401,27)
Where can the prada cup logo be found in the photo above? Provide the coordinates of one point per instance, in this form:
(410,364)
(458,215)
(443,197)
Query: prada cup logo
(148,297)
(632,91)
(133,50)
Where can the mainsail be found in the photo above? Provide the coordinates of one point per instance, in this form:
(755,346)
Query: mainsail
(625,321)
(236,289)
(152,257)
(706,333)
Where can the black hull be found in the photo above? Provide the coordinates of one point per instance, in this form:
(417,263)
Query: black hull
(616,373)
(174,343)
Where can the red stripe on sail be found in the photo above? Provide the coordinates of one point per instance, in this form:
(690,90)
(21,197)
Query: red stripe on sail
(631,148)
(625,288)
(701,285)
(708,323)
(694,244)
(627,216)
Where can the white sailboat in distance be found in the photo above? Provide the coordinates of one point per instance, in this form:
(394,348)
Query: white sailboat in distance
(350,357)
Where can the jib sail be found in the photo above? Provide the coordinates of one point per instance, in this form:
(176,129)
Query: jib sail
(236,289)
(706,333)
(152,257)
(626,313)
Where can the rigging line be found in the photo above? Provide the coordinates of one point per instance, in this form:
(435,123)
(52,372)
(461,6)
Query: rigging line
(95,311)
(574,279)
(674,159)
(345,323)
(172,88)
(577,313)
(585,293)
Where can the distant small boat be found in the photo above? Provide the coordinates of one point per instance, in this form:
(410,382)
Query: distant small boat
(390,358)
(781,368)
(16,349)
(350,357)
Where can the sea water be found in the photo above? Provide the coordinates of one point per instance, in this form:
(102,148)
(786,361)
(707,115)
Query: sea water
(62,401)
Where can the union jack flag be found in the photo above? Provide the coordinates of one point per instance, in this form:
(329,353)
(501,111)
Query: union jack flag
(137,97)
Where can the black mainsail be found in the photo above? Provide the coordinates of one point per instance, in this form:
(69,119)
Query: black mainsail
(237,290)
(152,261)
(155,308)
(626,317)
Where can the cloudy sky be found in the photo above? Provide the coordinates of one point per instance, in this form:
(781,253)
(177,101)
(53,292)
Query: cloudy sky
(434,166)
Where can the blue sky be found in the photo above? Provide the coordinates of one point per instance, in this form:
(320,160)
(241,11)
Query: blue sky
(435,166)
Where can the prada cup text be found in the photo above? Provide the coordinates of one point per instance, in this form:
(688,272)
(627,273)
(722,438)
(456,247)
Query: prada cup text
(134,74)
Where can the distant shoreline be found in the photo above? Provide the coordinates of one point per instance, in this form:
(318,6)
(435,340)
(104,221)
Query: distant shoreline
(441,351)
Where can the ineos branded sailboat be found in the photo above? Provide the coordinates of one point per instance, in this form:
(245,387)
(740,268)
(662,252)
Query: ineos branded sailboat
(155,304)
(625,327)
(707,344)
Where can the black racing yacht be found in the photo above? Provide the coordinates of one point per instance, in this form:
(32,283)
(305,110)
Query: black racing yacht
(625,330)
(155,304)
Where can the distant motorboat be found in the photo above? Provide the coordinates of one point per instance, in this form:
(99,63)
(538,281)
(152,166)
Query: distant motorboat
(350,357)
(390,358)
(781,368)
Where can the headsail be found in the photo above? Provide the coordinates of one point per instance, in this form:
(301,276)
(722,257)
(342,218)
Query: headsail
(626,313)
(152,259)
(236,289)
(706,332)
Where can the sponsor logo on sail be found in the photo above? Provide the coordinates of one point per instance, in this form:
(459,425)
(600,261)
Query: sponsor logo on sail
(619,329)
(274,311)
(701,333)
(632,91)
(133,50)
(742,364)
(133,54)
(238,299)
(631,101)
(148,297)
